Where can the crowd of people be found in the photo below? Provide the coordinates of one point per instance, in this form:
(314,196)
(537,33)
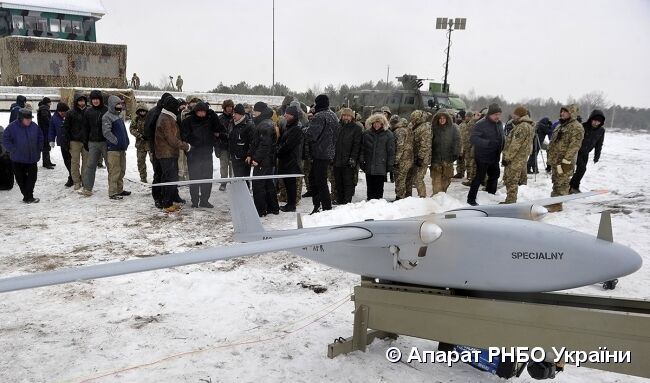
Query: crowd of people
(328,145)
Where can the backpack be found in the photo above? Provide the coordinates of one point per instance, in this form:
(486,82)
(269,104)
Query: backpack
(150,124)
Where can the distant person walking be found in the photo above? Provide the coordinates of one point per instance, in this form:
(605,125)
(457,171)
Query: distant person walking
(135,82)
(179,83)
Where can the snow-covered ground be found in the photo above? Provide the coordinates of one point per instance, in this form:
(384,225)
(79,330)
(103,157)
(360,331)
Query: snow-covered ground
(245,319)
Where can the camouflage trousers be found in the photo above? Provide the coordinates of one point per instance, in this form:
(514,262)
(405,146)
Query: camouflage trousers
(441,175)
(306,169)
(460,167)
(523,177)
(141,154)
(282,197)
(183,173)
(512,180)
(470,165)
(402,188)
(561,181)
(416,176)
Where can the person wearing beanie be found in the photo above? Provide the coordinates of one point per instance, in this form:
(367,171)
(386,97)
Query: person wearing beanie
(117,142)
(167,145)
(518,145)
(56,136)
(261,157)
(16,107)
(593,139)
(290,155)
(321,136)
(150,123)
(43,118)
(241,137)
(94,140)
(487,139)
(562,152)
(223,138)
(24,141)
(346,156)
(199,130)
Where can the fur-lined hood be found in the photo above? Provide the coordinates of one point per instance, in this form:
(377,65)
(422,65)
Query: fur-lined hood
(377,117)
(441,112)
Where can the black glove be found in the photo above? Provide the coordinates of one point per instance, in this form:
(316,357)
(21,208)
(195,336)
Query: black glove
(419,162)
(596,158)
(352,163)
(505,163)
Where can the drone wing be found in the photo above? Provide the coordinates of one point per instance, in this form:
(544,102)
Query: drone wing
(313,237)
(565,198)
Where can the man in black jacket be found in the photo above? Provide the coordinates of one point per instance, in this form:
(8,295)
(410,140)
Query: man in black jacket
(261,156)
(593,139)
(73,128)
(94,141)
(321,135)
(487,138)
(225,169)
(43,117)
(241,136)
(149,135)
(346,157)
(290,154)
(199,130)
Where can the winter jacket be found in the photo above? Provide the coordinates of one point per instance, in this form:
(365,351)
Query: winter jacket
(566,140)
(224,132)
(113,128)
(445,141)
(487,139)
(348,144)
(93,130)
(321,134)
(136,128)
(167,142)
(594,137)
(544,129)
(421,138)
(24,144)
(56,132)
(377,148)
(15,107)
(289,150)
(43,117)
(262,148)
(241,137)
(151,121)
(403,145)
(200,134)
(519,143)
(73,126)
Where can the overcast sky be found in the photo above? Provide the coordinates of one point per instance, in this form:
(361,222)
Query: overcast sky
(514,48)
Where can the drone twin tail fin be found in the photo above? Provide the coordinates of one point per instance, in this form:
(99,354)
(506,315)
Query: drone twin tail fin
(245,220)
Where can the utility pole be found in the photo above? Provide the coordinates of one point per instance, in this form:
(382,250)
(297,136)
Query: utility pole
(448,24)
(387,74)
(273,66)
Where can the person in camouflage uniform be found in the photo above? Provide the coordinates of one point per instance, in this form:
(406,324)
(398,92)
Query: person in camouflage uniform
(563,150)
(141,144)
(421,153)
(445,149)
(403,157)
(519,144)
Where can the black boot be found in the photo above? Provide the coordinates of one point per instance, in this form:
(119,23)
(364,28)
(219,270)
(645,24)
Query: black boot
(69,183)
(288,208)
(308,194)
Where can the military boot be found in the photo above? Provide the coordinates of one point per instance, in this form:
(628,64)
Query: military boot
(554,208)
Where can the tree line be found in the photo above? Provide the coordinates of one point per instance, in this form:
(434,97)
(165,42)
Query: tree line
(618,116)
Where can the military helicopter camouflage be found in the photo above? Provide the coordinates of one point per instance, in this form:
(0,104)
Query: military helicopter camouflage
(406,100)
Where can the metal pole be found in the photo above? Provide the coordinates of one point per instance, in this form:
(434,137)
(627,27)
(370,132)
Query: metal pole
(387,75)
(444,86)
(273,75)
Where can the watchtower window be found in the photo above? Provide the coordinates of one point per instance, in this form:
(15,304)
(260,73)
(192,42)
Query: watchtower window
(66,26)
(76,27)
(55,25)
(41,25)
(17,22)
(30,23)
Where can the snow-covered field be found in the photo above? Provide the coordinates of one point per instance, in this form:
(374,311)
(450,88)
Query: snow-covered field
(245,319)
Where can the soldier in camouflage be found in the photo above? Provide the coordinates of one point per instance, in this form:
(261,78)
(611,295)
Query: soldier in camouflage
(519,144)
(563,150)
(467,149)
(421,153)
(445,149)
(403,157)
(141,144)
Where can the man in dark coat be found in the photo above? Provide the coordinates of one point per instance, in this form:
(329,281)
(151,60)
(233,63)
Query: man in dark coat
(15,108)
(6,170)
(377,154)
(488,139)
(225,169)
(593,140)
(149,135)
(346,157)
(94,140)
(56,135)
(199,130)
(23,139)
(43,117)
(321,135)
(73,129)
(239,141)
(290,154)
(261,156)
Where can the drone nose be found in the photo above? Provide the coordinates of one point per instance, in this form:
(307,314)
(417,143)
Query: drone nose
(538,212)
